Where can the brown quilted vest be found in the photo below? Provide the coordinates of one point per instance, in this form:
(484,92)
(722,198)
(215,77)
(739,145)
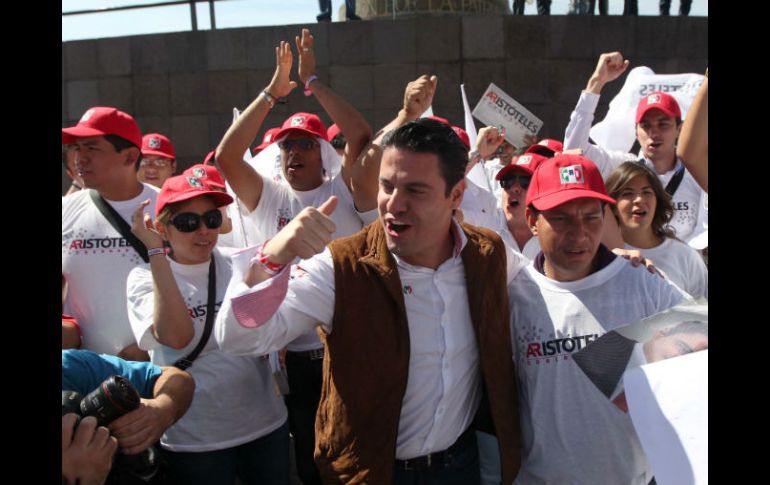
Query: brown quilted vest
(367,356)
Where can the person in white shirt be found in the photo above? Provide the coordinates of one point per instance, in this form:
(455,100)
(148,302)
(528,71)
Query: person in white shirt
(658,123)
(106,142)
(573,292)
(643,211)
(236,425)
(310,172)
(400,311)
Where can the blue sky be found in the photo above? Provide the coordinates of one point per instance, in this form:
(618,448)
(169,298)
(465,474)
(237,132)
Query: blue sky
(244,13)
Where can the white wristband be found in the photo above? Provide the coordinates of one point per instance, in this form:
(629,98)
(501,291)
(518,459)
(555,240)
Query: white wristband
(154,251)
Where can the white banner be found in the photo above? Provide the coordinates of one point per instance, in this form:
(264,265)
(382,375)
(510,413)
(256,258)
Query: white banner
(497,108)
(617,130)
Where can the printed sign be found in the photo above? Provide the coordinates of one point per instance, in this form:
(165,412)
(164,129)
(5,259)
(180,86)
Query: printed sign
(496,107)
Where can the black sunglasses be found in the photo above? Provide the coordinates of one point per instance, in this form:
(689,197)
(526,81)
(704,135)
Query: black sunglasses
(509,180)
(190,221)
(303,143)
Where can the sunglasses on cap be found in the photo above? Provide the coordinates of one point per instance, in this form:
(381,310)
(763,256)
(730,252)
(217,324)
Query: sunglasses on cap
(509,180)
(190,221)
(303,143)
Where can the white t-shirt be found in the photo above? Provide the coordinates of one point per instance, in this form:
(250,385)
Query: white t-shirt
(687,198)
(235,400)
(571,433)
(681,264)
(96,260)
(278,205)
(479,206)
(491,168)
(531,247)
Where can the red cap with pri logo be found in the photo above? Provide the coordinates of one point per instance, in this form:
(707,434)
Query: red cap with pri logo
(658,100)
(100,121)
(305,122)
(546,147)
(333,131)
(184,187)
(268,139)
(207,173)
(564,178)
(525,164)
(158,145)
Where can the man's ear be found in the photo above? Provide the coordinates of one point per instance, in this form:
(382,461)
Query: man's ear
(531,220)
(131,155)
(456,194)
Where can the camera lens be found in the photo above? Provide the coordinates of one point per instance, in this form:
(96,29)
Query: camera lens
(113,398)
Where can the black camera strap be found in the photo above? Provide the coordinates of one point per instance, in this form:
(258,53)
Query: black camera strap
(186,362)
(673,184)
(119,224)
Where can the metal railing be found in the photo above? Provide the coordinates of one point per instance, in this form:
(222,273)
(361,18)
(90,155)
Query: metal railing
(193,13)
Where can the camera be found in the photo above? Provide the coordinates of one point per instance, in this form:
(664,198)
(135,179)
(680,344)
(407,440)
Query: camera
(113,398)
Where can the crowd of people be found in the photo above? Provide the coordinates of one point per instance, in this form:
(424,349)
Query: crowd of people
(424,323)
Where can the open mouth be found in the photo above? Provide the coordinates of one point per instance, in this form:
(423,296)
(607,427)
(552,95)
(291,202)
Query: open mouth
(513,203)
(396,228)
(638,213)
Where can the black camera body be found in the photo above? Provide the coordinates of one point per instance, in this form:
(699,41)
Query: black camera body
(113,398)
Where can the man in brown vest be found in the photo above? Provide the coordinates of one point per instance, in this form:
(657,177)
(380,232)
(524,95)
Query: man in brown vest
(413,314)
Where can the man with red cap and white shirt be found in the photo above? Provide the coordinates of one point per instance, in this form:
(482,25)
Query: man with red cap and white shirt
(574,291)
(158,160)
(313,172)
(658,123)
(96,255)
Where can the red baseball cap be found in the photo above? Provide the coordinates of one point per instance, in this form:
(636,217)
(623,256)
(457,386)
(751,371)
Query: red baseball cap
(333,131)
(546,147)
(207,173)
(158,145)
(268,139)
(184,187)
(305,122)
(100,121)
(463,136)
(209,157)
(658,100)
(564,178)
(526,164)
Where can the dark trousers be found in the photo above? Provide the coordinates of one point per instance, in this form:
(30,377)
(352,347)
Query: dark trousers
(326,7)
(543,7)
(461,469)
(602,7)
(684,7)
(262,461)
(302,402)
(631,7)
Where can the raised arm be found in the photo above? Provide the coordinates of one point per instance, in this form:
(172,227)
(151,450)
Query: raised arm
(418,97)
(171,323)
(244,180)
(693,146)
(351,122)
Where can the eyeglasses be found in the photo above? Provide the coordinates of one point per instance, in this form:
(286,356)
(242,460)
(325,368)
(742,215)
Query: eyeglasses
(509,180)
(190,221)
(303,143)
(158,162)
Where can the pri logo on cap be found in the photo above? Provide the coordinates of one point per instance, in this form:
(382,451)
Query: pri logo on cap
(194,182)
(87,115)
(571,175)
(524,160)
(653,98)
(153,143)
(297,121)
(199,172)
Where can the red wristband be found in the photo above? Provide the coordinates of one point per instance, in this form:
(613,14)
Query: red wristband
(267,266)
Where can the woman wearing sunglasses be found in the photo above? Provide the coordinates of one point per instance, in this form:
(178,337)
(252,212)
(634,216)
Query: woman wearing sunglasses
(514,180)
(643,212)
(236,425)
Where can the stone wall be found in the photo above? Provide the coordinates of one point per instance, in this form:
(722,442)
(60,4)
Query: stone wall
(186,84)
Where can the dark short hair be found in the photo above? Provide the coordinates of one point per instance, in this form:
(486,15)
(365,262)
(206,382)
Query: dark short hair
(430,136)
(338,141)
(664,209)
